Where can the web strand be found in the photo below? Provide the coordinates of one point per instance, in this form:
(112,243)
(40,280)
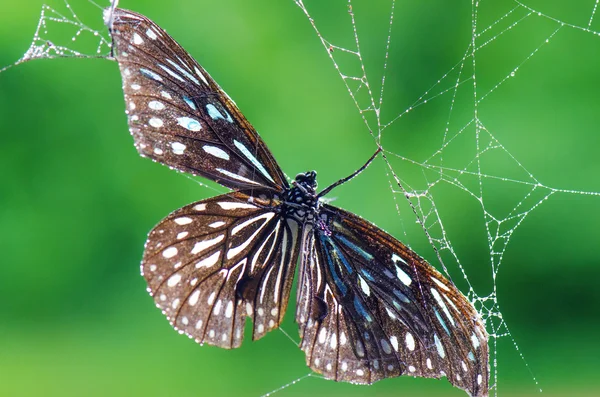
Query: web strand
(499,228)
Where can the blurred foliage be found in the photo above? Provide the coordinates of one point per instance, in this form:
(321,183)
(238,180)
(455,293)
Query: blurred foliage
(76,201)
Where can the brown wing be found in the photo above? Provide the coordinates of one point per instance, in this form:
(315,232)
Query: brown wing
(211,264)
(179,116)
(370,308)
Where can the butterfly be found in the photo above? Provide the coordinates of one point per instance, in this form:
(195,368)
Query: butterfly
(368,307)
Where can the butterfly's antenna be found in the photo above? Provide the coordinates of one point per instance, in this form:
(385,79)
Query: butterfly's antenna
(355,173)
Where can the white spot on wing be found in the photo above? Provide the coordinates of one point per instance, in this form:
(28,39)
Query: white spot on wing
(363,286)
(410,341)
(394,342)
(183,71)
(211,298)
(268,216)
(236,176)
(217,308)
(150,33)
(360,349)
(233,205)
(193,299)
(234,251)
(440,284)
(150,74)
(156,105)
(385,346)
(342,338)
(155,122)
(215,151)
(182,235)
(209,261)
(440,302)
(201,75)
(189,123)
(390,313)
(439,346)
(229,309)
(174,280)
(322,335)
(202,245)
(402,276)
(171,73)
(190,103)
(178,147)
(252,159)
(137,39)
(170,252)
(214,113)
(184,220)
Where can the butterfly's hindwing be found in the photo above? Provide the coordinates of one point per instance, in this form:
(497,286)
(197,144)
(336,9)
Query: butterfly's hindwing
(179,116)
(211,264)
(370,308)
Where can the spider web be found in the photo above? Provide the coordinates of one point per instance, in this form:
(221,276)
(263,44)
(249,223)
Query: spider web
(479,172)
(461,152)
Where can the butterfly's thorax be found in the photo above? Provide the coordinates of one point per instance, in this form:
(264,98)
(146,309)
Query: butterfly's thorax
(300,202)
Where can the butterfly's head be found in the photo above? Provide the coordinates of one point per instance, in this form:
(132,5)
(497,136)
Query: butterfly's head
(307,180)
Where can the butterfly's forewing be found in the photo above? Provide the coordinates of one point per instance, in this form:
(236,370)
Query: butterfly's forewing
(211,264)
(370,308)
(179,116)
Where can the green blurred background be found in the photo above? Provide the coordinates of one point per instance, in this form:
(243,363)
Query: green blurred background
(76,201)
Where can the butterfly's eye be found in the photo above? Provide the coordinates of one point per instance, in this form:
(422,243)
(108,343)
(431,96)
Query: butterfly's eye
(307,179)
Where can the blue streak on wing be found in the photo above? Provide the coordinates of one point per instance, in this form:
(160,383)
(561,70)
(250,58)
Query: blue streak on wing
(336,278)
(441,321)
(339,255)
(401,296)
(355,247)
(367,274)
(361,309)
